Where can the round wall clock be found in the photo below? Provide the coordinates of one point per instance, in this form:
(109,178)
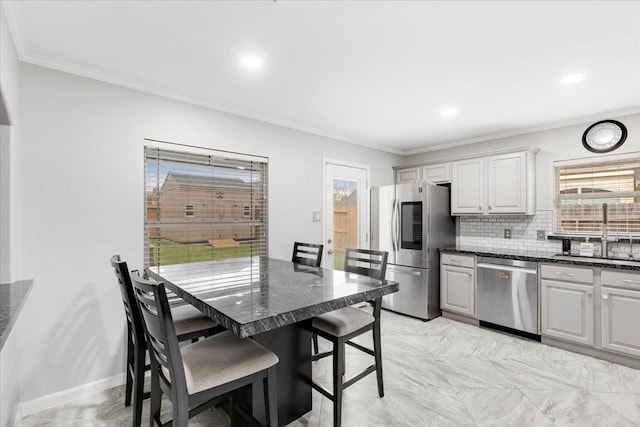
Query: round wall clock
(604,136)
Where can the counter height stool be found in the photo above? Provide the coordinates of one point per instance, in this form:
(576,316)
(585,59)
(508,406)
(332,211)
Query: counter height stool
(198,375)
(190,324)
(340,326)
(308,254)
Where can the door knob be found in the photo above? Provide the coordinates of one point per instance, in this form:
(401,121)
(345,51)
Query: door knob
(329,241)
(329,251)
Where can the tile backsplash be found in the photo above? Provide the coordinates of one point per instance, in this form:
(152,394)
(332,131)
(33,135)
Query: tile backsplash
(488,230)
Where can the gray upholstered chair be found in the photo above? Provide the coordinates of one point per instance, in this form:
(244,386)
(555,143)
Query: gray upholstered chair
(340,326)
(199,375)
(190,324)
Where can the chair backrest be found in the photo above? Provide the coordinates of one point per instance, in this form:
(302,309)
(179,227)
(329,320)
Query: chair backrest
(131,309)
(307,254)
(366,262)
(161,334)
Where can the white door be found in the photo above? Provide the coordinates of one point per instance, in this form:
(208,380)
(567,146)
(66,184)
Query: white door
(346,210)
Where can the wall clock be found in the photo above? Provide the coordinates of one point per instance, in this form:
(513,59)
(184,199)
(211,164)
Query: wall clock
(604,136)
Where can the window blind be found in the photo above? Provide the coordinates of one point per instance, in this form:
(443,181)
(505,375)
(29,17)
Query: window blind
(583,186)
(203,205)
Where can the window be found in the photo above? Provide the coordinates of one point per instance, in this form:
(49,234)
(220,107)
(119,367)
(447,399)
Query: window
(203,204)
(583,186)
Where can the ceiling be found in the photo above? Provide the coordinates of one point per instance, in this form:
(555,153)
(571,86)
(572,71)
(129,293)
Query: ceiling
(370,72)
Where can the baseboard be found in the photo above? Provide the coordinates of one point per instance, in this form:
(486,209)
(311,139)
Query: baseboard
(17,421)
(64,396)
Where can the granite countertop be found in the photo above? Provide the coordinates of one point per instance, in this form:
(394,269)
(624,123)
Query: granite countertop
(12,298)
(545,256)
(253,295)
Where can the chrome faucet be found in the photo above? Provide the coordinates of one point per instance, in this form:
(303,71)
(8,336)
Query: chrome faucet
(605,235)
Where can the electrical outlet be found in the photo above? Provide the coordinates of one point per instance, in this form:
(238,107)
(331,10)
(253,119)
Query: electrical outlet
(316,217)
(507,233)
(541,235)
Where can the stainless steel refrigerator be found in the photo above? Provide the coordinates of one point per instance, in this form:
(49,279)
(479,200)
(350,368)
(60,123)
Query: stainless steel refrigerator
(411,222)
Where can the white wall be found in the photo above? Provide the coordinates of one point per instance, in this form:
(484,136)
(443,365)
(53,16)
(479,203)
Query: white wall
(9,215)
(555,144)
(82,192)
(9,155)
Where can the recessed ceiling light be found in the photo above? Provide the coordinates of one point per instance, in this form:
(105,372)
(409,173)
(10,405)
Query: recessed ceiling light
(572,78)
(447,112)
(251,62)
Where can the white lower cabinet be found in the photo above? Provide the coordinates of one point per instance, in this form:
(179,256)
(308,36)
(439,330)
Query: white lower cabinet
(621,312)
(458,284)
(567,311)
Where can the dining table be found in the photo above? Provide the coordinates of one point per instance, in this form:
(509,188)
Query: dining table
(273,302)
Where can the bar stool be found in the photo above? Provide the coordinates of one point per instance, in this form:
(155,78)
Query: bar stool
(340,326)
(202,374)
(190,324)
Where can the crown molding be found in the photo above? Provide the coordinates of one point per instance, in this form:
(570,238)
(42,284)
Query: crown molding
(524,131)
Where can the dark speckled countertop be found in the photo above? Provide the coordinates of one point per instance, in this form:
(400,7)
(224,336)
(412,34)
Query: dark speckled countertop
(253,295)
(544,256)
(12,298)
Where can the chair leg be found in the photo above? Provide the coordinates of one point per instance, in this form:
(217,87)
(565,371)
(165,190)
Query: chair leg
(338,375)
(314,337)
(377,349)
(156,396)
(271,397)
(129,367)
(138,384)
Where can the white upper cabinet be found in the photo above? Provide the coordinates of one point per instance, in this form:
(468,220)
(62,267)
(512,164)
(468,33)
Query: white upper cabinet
(507,183)
(467,187)
(499,184)
(406,175)
(438,173)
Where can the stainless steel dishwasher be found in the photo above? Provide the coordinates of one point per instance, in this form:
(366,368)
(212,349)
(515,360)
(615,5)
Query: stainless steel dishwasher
(507,292)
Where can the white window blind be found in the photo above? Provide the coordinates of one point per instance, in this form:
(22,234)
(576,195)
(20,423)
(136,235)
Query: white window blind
(203,205)
(582,187)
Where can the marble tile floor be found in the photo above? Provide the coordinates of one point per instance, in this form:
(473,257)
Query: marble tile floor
(437,373)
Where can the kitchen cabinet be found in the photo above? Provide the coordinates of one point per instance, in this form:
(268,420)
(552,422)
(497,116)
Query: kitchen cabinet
(620,298)
(458,284)
(437,173)
(408,175)
(567,308)
(498,184)
(467,187)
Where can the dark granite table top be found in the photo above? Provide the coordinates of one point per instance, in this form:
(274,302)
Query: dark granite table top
(253,295)
(545,256)
(12,297)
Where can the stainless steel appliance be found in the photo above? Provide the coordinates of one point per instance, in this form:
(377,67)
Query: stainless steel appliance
(411,222)
(507,293)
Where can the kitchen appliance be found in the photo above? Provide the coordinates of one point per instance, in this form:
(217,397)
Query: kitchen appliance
(507,293)
(411,222)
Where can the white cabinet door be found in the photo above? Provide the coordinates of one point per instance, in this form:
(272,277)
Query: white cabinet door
(621,320)
(457,289)
(567,311)
(404,176)
(439,173)
(507,184)
(467,187)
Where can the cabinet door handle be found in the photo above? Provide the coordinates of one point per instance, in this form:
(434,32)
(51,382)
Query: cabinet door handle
(631,281)
(605,296)
(589,294)
(564,274)
(479,208)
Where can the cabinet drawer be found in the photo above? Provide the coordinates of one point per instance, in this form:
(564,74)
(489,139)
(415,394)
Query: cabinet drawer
(566,274)
(458,260)
(621,280)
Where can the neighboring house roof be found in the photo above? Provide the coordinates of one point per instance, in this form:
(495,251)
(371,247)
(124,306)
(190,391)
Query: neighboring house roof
(204,181)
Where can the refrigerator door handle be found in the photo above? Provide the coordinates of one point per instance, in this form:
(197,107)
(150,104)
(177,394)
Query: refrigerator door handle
(393,225)
(397,225)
